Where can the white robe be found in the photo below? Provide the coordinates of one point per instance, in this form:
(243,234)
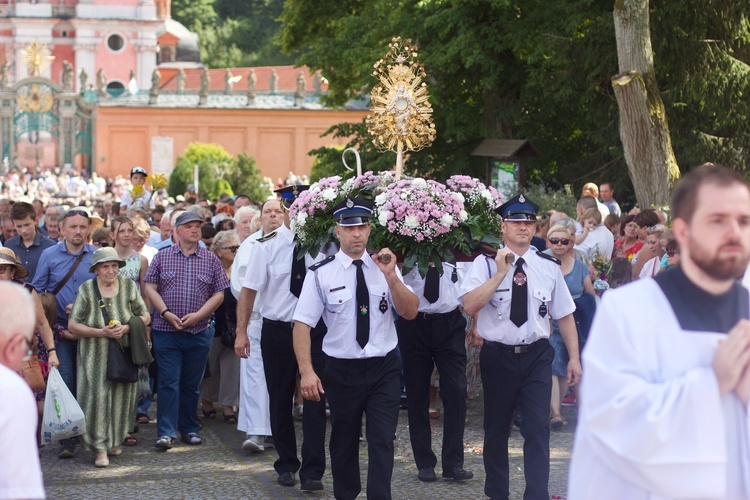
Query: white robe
(652,424)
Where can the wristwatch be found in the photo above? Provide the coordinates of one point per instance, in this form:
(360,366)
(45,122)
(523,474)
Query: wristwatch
(165,311)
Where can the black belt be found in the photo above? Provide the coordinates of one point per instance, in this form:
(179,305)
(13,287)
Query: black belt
(518,349)
(274,322)
(433,316)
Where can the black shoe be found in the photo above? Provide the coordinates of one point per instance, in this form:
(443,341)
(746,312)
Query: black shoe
(67,449)
(458,474)
(427,475)
(310,484)
(286,479)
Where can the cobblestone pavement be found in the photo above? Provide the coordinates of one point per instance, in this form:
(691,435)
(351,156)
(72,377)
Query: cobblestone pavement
(221,469)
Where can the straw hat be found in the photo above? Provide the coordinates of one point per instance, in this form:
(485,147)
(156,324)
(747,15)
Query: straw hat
(8,256)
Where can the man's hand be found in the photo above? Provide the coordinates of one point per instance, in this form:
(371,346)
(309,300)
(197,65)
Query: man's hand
(732,357)
(242,345)
(574,372)
(473,337)
(390,266)
(190,319)
(173,320)
(68,308)
(311,386)
(743,387)
(501,261)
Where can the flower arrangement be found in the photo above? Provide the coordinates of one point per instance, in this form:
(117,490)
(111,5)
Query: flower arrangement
(158,181)
(309,217)
(482,224)
(420,218)
(600,269)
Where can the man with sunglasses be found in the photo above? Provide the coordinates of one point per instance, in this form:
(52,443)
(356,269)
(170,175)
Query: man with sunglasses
(61,270)
(664,404)
(515,293)
(20,472)
(275,273)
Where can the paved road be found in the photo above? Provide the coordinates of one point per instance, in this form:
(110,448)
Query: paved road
(220,469)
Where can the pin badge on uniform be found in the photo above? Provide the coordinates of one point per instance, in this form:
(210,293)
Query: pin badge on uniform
(519,279)
(454,275)
(363,310)
(383,305)
(543,310)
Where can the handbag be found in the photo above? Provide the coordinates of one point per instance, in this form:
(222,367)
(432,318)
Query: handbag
(31,371)
(120,366)
(229,335)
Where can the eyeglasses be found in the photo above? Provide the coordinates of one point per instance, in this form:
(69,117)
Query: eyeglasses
(101,244)
(562,241)
(76,211)
(4,268)
(673,253)
(232,249)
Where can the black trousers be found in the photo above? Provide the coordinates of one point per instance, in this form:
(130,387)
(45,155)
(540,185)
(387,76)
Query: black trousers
(506,378)
(424,343)
(280,367)
(314,416)
(355,386)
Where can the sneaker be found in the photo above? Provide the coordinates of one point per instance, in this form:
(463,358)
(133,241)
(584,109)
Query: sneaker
(570,399)
(164,443)
(191,438)
(67,449)
(253,443)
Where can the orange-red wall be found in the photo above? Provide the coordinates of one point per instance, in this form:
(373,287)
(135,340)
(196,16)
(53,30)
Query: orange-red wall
(278,139)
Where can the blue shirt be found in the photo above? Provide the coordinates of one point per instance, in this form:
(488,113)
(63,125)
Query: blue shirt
(53,266)
(30,256)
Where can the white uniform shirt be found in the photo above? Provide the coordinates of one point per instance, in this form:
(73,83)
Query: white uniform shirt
(239,270)
(600,239)
(448,298)
(145,198)
(331,291)
(546,285)
(268,272)
(20,472)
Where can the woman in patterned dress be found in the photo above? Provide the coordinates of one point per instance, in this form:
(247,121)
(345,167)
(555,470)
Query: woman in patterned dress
(123,234)
(109,407)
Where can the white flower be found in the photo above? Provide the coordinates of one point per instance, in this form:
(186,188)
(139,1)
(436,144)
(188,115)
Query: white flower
(419,183)
(411,222)
(487,195)
(383,217)
(347,186)
(328,194)
(300,219)
(463,215)
(404,195)
(446,220)
(381,198)
(459,196)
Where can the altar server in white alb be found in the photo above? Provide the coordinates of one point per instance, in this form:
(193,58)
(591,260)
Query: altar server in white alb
(664,403)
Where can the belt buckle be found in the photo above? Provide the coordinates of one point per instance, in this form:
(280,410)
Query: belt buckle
(519,349)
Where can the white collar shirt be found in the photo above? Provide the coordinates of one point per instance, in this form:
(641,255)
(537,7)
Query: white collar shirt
(269,270)
(546,286)
(330,291)
(601,240)
(449,290)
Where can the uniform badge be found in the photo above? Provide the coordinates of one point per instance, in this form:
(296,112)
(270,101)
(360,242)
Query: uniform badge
(519,279)
(363,310)
(349,203)
(521,198)
(543,310)
(383,305)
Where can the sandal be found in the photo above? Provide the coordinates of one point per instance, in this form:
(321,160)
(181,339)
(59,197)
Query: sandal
(557,422)
(230,418)
(210,413)
(142,418)
(129,441)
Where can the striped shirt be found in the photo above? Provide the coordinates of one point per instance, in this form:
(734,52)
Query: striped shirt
(185,283)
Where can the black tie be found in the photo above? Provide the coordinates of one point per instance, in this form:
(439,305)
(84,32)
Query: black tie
(520,296)
(432,285)
(298,273)
(363,306)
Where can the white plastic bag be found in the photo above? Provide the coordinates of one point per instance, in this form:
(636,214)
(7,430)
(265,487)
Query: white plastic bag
(63,417)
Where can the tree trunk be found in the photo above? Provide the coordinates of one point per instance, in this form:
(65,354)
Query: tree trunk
(644,130)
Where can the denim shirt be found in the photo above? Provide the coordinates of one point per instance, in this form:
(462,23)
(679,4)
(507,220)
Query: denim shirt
(30,256)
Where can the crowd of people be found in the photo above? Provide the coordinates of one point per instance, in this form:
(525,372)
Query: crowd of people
(222,316)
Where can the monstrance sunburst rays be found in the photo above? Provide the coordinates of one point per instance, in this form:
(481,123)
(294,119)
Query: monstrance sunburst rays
(37,57)
(401,118)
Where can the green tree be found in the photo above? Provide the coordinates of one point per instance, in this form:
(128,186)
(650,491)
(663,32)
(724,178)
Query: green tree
(247,179)
(190,12)
(213,163)
(217,44)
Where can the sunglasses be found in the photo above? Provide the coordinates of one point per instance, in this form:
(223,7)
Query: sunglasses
(232,249)
(672,254)
(76,211)
(102,243)
(556,241)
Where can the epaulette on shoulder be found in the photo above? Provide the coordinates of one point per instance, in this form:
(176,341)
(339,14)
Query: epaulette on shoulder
(267,237)
(322,263)
(549,257)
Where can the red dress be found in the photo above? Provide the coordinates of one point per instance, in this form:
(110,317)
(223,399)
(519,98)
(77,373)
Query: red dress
(630,252)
